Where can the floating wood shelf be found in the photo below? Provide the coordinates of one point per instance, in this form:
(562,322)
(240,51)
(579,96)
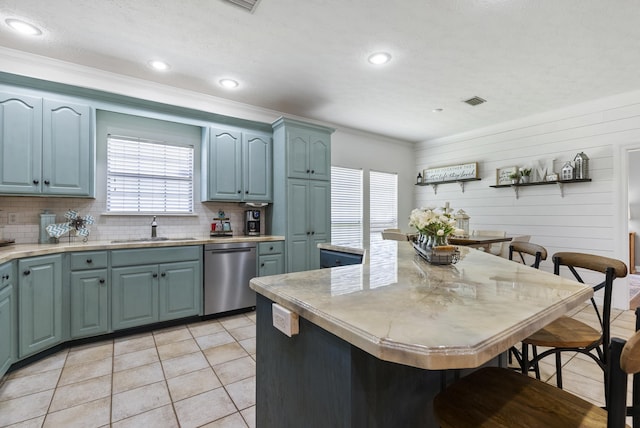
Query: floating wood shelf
(560,183)
(461,182)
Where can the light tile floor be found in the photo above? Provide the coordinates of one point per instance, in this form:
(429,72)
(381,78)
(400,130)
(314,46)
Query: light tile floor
(200,374)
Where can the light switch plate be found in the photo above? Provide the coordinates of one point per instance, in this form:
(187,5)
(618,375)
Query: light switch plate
(284,320)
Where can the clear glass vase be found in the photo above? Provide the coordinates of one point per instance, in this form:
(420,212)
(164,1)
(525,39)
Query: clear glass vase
(437,241)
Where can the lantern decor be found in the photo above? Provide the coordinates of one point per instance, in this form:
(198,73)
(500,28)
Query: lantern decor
(75,224)
(462,222)
(581,165)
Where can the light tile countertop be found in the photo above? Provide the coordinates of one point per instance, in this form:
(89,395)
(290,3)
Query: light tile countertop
(17,251)
(404,310)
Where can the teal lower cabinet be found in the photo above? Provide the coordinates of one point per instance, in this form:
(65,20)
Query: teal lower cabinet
(8,322)
(89,303)
(39,303)
(270,258)
(134,299)
(180,290)
(143,292)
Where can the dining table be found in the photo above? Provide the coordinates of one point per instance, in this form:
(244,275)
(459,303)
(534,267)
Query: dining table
(477,241)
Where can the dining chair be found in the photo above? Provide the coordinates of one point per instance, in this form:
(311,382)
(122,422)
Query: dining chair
(539,253)
(519,249)
(504,246)
(494,248)
(394,234)
(494,397)
(568,334)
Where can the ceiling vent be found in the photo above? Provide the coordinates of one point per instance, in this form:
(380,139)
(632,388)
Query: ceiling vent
(475,101)
(250,5)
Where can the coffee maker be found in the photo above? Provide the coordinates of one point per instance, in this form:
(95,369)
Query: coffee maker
(252,222)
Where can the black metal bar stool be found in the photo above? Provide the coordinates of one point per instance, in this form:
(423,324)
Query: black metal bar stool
(570,335)
(539,253)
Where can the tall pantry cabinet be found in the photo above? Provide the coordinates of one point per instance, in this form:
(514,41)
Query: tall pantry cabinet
(301,208)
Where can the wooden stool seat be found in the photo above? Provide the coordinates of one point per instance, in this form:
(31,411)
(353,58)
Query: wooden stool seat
(565,332)
(495,397)
(511,400)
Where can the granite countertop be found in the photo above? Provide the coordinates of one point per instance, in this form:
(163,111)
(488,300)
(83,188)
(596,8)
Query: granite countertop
(404,310)
(17,251)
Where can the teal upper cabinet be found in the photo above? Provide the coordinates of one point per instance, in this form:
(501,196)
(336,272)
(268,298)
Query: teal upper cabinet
(238,166)
(39,303)
(20,143)
(256,167)
(46,147)
(308,153)
(225,165)
(67,167)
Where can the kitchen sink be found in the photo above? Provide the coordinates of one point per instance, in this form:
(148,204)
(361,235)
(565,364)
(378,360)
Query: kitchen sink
(156,239)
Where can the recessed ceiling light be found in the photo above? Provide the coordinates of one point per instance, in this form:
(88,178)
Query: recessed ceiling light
(23,27)
(159,65)
(437,110)
(379,58)
(229,83)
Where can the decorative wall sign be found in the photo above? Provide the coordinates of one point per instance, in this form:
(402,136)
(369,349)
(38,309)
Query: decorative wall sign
(450,173)
(503,175)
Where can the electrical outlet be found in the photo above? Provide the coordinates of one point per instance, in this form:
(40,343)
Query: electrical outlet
(284,320)
(12,218)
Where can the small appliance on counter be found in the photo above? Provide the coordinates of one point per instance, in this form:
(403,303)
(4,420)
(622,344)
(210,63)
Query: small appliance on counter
(252,222)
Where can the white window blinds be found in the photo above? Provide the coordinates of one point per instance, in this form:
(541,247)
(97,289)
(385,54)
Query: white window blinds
(346,206)
(148,176)
(383,202)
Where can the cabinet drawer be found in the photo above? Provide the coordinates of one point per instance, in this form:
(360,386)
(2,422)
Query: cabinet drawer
(274,247)
(89,260)
(143,256)
(330,258)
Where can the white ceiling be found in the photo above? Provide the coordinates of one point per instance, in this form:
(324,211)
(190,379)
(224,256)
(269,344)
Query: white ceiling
(308,57)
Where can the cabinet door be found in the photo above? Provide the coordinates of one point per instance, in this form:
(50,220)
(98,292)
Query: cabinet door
(320,156)
(20,143)
(67,149)
(40,303)
(298,231)
(8,328)
(180,290)
(256,168)
(134,296)
(270,265)
(89,303)
(319,219)
(297,154)
(225,165)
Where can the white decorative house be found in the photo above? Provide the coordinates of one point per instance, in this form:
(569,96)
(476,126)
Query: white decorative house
(568,171)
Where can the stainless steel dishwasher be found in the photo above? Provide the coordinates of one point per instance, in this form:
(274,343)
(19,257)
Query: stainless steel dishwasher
(228,268)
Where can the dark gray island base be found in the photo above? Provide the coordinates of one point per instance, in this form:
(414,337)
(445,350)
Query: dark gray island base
(315,379)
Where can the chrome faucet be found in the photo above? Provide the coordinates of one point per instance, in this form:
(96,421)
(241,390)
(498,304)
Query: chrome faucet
(154,226)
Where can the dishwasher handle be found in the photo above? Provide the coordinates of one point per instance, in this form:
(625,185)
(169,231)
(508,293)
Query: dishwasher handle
(231,250)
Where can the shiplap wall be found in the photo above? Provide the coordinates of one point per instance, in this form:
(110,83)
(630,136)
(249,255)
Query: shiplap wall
(587,218)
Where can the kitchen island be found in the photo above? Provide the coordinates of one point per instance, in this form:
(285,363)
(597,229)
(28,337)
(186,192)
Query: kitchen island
(377,341)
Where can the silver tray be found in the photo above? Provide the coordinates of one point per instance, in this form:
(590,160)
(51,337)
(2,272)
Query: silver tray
(437,257)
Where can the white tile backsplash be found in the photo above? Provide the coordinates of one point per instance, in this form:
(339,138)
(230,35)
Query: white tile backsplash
(111,227)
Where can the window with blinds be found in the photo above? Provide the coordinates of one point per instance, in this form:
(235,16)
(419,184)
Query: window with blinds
(383,203)
(146,176)
(346,206)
